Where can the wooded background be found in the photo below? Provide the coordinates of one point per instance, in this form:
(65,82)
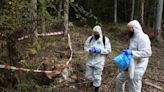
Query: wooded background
(20,18)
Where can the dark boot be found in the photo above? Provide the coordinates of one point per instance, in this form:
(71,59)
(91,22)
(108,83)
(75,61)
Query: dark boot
(91,84)
(96,89)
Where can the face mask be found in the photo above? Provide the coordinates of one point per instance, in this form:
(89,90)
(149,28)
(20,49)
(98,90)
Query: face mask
(96,36)
(131,34)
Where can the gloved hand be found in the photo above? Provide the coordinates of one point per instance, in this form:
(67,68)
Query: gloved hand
(97,50)
(91,50)
(127,52)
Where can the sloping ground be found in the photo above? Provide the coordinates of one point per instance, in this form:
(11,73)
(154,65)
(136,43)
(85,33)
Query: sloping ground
(54,50)
(119,41)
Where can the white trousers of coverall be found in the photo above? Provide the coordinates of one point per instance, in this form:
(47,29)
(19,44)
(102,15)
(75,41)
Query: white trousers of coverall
(135,84)
(93,73)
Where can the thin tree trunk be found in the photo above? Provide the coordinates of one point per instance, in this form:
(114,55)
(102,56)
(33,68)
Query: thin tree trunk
(34,2)
(115,12)
(159,19)
(125,7)
(60,9)
(14,54)
(34,26)
(132,12)
(43,25)
(66,16)
(43,9)
(142,11)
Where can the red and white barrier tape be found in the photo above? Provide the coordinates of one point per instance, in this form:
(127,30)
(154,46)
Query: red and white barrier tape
(52,33)
(43,34)
(24,37)
(25,69)
(70,47)
(49,74)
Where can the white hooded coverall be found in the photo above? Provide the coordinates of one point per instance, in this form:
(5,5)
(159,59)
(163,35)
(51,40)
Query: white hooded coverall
(95,63)
(141,50)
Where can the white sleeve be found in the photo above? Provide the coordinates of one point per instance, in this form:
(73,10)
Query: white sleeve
(107,48)
(144,48)
(86,45)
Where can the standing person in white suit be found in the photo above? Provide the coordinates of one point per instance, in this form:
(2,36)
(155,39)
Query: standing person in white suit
(97,46)
(140,47)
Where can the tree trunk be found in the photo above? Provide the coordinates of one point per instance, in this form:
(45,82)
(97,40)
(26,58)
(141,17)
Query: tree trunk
(13,54)
(34,2)
(125,7)
(66,16)
(43,25)
(142,11)
(43,11)
(115,12)
(60,9)
(159,19)
(132,12)
(34,26)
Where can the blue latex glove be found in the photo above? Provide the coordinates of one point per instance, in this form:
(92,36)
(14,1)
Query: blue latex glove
(97,50)
(92,50)
(127,52)
(123,59)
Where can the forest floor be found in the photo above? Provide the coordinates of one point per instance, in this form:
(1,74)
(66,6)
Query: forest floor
(55,50)
(119,41)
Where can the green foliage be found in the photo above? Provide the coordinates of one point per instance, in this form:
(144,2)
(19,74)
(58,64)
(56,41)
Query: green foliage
(24,63)
(80,64)
(43,12)
(85,17)
(30,86)
(16,13)
(103,9)
(31,51)
(19,14)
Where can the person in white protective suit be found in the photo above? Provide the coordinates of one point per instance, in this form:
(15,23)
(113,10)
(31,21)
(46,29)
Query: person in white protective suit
(97,46)
(140,47)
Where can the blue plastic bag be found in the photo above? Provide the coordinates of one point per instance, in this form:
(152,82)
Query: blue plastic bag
(123,60)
